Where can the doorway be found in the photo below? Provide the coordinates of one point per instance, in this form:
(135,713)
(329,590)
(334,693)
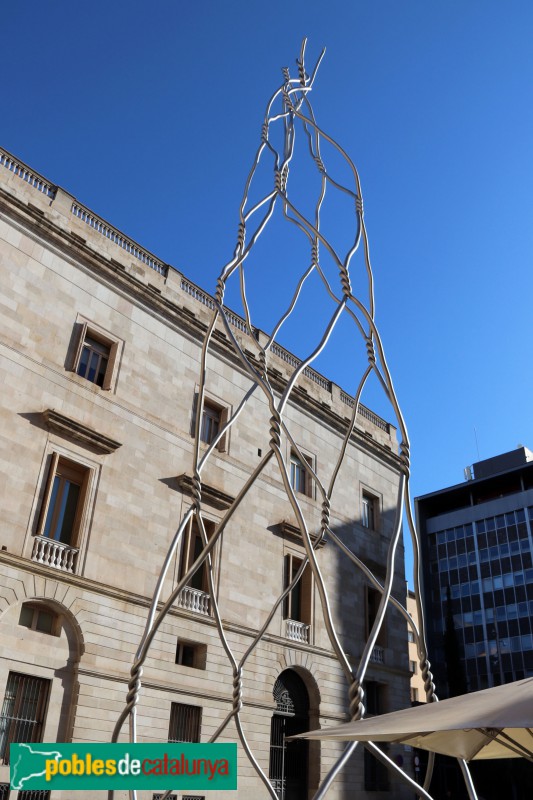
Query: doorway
(289,761)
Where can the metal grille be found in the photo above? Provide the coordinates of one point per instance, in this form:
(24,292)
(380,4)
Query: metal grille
(288,760)
(184,723)
(35,794)
(4,791)
(174,797)
(290,694)
(23,711)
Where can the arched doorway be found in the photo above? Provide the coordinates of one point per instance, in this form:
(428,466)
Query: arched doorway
(288,768)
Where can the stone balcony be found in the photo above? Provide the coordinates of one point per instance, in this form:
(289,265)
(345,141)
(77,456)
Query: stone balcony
(54,554)
(377,655)
(297,631)
(194,600)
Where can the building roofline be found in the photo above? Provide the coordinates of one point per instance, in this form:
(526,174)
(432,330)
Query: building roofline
(50,206)
(474,481)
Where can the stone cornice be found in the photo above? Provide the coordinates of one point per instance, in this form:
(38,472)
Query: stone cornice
(77,432)
(75,247)
(212,496)
(87,584)
(123,596)
(290,531)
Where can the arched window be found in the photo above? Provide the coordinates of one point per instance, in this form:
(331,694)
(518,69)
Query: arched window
(289,767)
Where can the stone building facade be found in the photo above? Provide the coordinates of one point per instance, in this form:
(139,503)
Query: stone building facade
(100,345)
(418,692)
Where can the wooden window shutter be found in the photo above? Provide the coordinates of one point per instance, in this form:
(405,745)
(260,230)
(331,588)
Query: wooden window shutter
(79,346)
(47,493)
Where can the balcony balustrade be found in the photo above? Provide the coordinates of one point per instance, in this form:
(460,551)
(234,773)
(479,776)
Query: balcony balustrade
(378,655)
(54,554)
(297,631)
(194,600)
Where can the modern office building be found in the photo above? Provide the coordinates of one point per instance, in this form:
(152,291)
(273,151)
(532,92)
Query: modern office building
(100,347)
(477,550)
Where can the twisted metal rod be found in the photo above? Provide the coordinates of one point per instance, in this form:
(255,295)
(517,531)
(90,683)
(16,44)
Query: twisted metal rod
(296,109)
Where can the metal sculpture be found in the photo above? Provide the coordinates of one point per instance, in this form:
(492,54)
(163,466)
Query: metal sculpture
(294,110)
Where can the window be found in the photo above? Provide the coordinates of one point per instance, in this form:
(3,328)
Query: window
(191,654)
(97,354)
(373,598)
(23,711)
(376,773)
(63,501)
(410,636)
(215,414)
(375,699)
(369,511)
(414,695)
(413,667)
(300,479)
(192,547)
(58,536)
(184,723)
(39,618)
(297,608)
(211,422)
(94,360)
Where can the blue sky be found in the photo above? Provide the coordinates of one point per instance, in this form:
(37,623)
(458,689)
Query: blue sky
(150,113)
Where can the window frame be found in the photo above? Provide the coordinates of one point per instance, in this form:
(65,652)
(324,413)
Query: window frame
(89,329)
(63,467)
(211,422)
(370,510)
(199,654)
(42,497)
(67,470)
(39,608)
(215,407)
(192,543)
(302,594)
(296,466)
